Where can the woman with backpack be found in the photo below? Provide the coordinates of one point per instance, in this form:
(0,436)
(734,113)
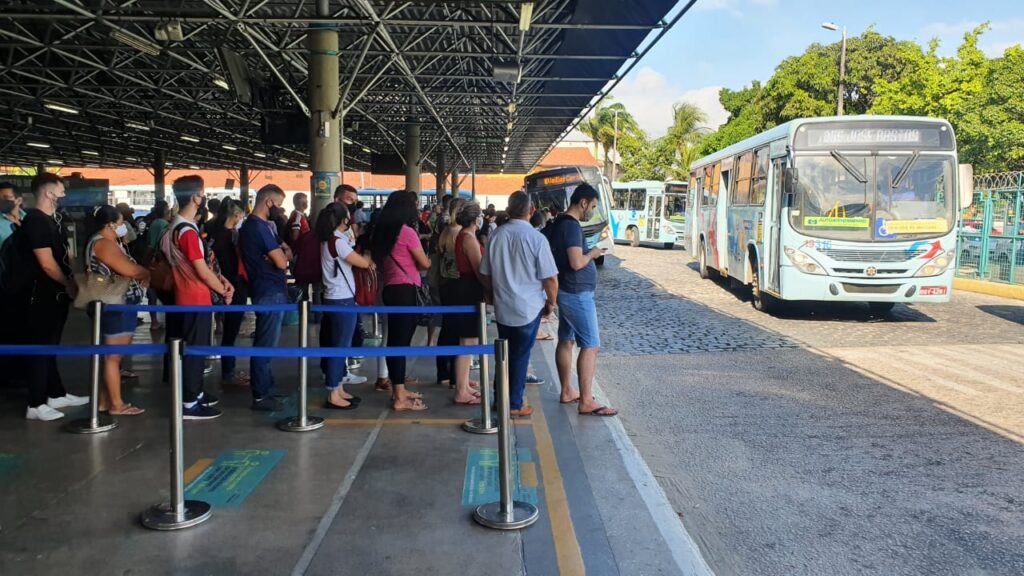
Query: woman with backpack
(465,289)
(224,237)
(337,259)
(109,258)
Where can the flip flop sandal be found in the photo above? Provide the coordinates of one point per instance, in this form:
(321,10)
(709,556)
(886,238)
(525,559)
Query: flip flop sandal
(417,406)
(411,381)
(545,337)
(331,406)
(573,401)
(474,402)
(354,399)
(603,411)
(382,386)
(128,410)
(128,374)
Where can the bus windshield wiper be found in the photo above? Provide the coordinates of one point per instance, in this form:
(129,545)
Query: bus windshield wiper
(857,174)
(898,179)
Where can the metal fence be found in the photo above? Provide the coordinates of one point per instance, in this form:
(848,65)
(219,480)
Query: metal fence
(991,236)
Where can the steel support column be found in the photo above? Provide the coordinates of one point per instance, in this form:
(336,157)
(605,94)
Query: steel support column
(158,175)
(440,174)
(324,136)
(243,186)
(412,157)
(455,182)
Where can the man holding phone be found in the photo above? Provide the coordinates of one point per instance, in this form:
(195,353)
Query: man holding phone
(577,313)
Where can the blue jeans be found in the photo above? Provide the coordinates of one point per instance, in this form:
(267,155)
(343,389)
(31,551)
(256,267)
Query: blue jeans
(520,344)
(577,319)
(342,326)
(268,335)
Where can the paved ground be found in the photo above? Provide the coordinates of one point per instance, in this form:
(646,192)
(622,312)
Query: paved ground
(822,441)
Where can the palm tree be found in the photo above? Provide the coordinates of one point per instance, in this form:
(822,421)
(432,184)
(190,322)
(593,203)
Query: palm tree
(685,135)
(601,126)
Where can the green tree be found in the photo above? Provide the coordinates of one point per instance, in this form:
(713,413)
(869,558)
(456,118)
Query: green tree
(601,128)
(744,111)
(684,138)
(645,159)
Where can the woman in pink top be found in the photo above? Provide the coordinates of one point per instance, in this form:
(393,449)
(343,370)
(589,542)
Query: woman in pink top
(396,249)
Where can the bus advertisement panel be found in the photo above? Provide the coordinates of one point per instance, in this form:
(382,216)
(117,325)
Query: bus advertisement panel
(550,191)
(638,214)
(855,208)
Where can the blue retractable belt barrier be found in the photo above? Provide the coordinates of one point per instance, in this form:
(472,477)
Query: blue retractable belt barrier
(58,350)
(219,308)
(285,352)
(396,309)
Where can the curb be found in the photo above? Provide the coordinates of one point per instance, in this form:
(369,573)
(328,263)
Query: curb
(1013,291)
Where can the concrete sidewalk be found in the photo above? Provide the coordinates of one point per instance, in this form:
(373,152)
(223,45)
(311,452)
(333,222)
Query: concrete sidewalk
(373,492)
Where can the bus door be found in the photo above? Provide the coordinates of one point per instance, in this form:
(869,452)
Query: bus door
(654,207)
(722,185)
(773,229)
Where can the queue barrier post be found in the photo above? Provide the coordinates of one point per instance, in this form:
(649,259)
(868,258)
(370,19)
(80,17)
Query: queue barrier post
(506,514)
(96,422)
(178,513)
(376,327)
(303,422)
(484,424)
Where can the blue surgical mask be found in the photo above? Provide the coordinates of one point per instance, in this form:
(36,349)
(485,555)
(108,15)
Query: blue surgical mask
(121,230)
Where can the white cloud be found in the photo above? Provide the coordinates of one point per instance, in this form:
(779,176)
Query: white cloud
(994,42)
(733,7)
(649,98)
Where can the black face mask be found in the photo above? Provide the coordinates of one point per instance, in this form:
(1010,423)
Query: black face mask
(7,206)
(276,213)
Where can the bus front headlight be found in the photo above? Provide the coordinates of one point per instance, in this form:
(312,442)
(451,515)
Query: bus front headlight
(804,263)
(936,265)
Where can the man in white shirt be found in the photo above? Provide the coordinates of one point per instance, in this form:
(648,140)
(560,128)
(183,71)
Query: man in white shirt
(520,271)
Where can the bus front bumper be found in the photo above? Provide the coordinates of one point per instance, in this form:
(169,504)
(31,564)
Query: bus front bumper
(797,285)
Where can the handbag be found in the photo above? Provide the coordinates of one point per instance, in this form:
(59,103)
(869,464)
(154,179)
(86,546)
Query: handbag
(422,295)
(106,289)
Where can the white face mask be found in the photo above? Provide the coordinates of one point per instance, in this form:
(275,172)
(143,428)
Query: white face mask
(121,230)
(480,222)
(239,225)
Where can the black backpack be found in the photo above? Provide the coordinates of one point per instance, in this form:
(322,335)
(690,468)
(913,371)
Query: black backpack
(16,276)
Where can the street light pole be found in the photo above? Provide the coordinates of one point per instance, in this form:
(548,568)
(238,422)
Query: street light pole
(615,143)
(842,67)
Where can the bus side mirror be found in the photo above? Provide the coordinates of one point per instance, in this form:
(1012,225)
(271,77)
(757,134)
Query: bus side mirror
(966,185)
(792,177)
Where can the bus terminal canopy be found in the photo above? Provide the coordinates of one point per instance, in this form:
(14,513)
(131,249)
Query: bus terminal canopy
(223,83)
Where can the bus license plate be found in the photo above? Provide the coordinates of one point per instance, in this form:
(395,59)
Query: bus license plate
(933,291)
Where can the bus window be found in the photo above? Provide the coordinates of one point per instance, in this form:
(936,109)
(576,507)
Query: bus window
(715,182)
(760,181)
(637,196)
(619,198)
(741,193)
(698,190)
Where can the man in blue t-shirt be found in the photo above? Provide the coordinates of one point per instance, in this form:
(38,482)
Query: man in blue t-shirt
(266,259)
(577,313)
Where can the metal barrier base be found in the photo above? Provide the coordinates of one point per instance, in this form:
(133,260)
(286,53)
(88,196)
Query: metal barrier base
(523,515)
(162,517)
(476,426)
(104,423)
(295,424)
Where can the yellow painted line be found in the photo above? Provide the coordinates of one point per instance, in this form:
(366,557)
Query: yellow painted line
(528,474)
(567,549)
(401,422)
(197,469)
(991,288)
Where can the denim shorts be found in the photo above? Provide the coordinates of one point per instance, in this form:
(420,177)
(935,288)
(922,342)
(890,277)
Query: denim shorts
(118,323)
(577,319)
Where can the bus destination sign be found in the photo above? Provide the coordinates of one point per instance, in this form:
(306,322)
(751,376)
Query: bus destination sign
(873,135)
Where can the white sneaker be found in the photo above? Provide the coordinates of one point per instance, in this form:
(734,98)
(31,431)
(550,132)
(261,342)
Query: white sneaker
(353,379)
(67,400)
(43,412)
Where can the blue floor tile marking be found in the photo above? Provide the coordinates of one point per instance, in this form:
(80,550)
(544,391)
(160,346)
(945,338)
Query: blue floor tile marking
(482,484)
(9,463)
(233,476)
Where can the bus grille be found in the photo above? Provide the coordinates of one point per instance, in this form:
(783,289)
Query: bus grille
(873,255)
(870,288)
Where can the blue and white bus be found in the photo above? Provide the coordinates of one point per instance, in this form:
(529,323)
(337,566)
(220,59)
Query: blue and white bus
(638,214)
(550,191)
(854,208)
(676,199)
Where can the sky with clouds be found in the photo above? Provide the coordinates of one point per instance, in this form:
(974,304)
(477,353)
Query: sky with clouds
(728,43)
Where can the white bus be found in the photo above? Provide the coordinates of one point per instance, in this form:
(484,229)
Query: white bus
(638,214)
(551,190)
(855,208)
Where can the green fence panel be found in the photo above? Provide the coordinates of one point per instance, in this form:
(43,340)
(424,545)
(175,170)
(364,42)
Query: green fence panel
(991,235)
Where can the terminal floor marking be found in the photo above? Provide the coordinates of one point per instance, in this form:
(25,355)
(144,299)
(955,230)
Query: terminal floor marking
(232,476)
(404,422)
(567,549)
(482,482)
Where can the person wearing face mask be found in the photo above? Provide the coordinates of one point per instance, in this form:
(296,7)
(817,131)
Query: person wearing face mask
(349,196)
(224,236)
(265,258)
(577,313)
(11,213)
(108,257)
(183,247)
(43,307)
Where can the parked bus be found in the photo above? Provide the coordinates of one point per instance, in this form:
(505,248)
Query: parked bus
(551,190)
(676,199)
(855,208)
(638,214)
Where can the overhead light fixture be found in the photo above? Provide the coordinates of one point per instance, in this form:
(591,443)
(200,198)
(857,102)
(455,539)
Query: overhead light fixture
(169,31)
(367,150)
(259,154)
(228,147)
(38,145)
(138,42)
(193,167)
(525,16)
(92,165)
(282,160)
(91,152)
(502,72)
(131,159)
(54,161)
(221,83)
(830,26)
(507,138)
(509,126)
(60,107)
(169,164)
(136,126)
(346,140)
(511,107)
(303,165)
(187,138)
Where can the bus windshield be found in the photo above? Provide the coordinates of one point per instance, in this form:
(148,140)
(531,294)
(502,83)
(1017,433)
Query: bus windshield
(675,207)
(849,196)
(554,197)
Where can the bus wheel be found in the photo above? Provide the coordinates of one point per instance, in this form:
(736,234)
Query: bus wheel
(880,308)
(633,236)
(762,302)
(599,260)
(703,259)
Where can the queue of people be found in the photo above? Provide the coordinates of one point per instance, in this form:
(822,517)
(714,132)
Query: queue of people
(455,254)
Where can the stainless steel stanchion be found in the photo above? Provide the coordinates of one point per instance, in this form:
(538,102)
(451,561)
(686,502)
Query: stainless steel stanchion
(213,337)
(376,327)
(484,424)
(96,422)
(178,513)
(302,422)
(506,514)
